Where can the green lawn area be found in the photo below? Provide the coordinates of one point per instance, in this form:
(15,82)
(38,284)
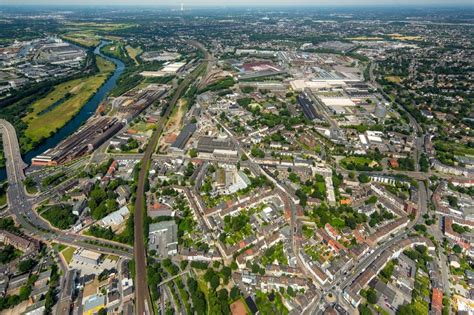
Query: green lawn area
(58,247)
(338,223)
(308,232)
(59,215)
(112,257)
(53,111)
(358,160)
(3,199)
(68,253)
(30,186)
(32,190)
(359,163)
(312,252)
(265,306)
(321,186)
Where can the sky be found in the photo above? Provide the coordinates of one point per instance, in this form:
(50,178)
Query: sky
(239,2)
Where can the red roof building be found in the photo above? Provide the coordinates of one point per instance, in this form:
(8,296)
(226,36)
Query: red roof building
(437,301)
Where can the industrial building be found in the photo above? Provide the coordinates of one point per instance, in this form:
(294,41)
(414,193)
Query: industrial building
(133,103)
(85,140)
(216,147)
(307,106)
(179,144)
(98,129)
(258,69)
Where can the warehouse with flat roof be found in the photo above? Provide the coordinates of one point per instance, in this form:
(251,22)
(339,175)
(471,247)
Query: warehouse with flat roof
(178,145)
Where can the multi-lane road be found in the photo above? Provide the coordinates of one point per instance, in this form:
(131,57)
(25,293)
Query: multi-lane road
(14,166)
(21,207)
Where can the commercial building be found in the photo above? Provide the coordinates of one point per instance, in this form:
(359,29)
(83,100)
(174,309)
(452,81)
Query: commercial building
(163,238)
(87,257)
(115,218)
(170,69)
(93,304)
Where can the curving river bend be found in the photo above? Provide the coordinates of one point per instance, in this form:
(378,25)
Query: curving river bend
(86,111)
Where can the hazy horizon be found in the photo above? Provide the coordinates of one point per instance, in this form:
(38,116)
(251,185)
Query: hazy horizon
(250,3)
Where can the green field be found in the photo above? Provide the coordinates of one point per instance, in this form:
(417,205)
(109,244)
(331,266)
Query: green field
(89,26)
(142,127)
(394,79)
(116,50)
(46,117)
(83,38)
(448,152)
(67,253)
(59,247)
(133,52)
(59,215)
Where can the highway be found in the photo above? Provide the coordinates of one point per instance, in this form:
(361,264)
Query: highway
(143,302)
(14,165)
(21,207)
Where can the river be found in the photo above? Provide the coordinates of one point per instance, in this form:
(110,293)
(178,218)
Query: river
(86,111)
